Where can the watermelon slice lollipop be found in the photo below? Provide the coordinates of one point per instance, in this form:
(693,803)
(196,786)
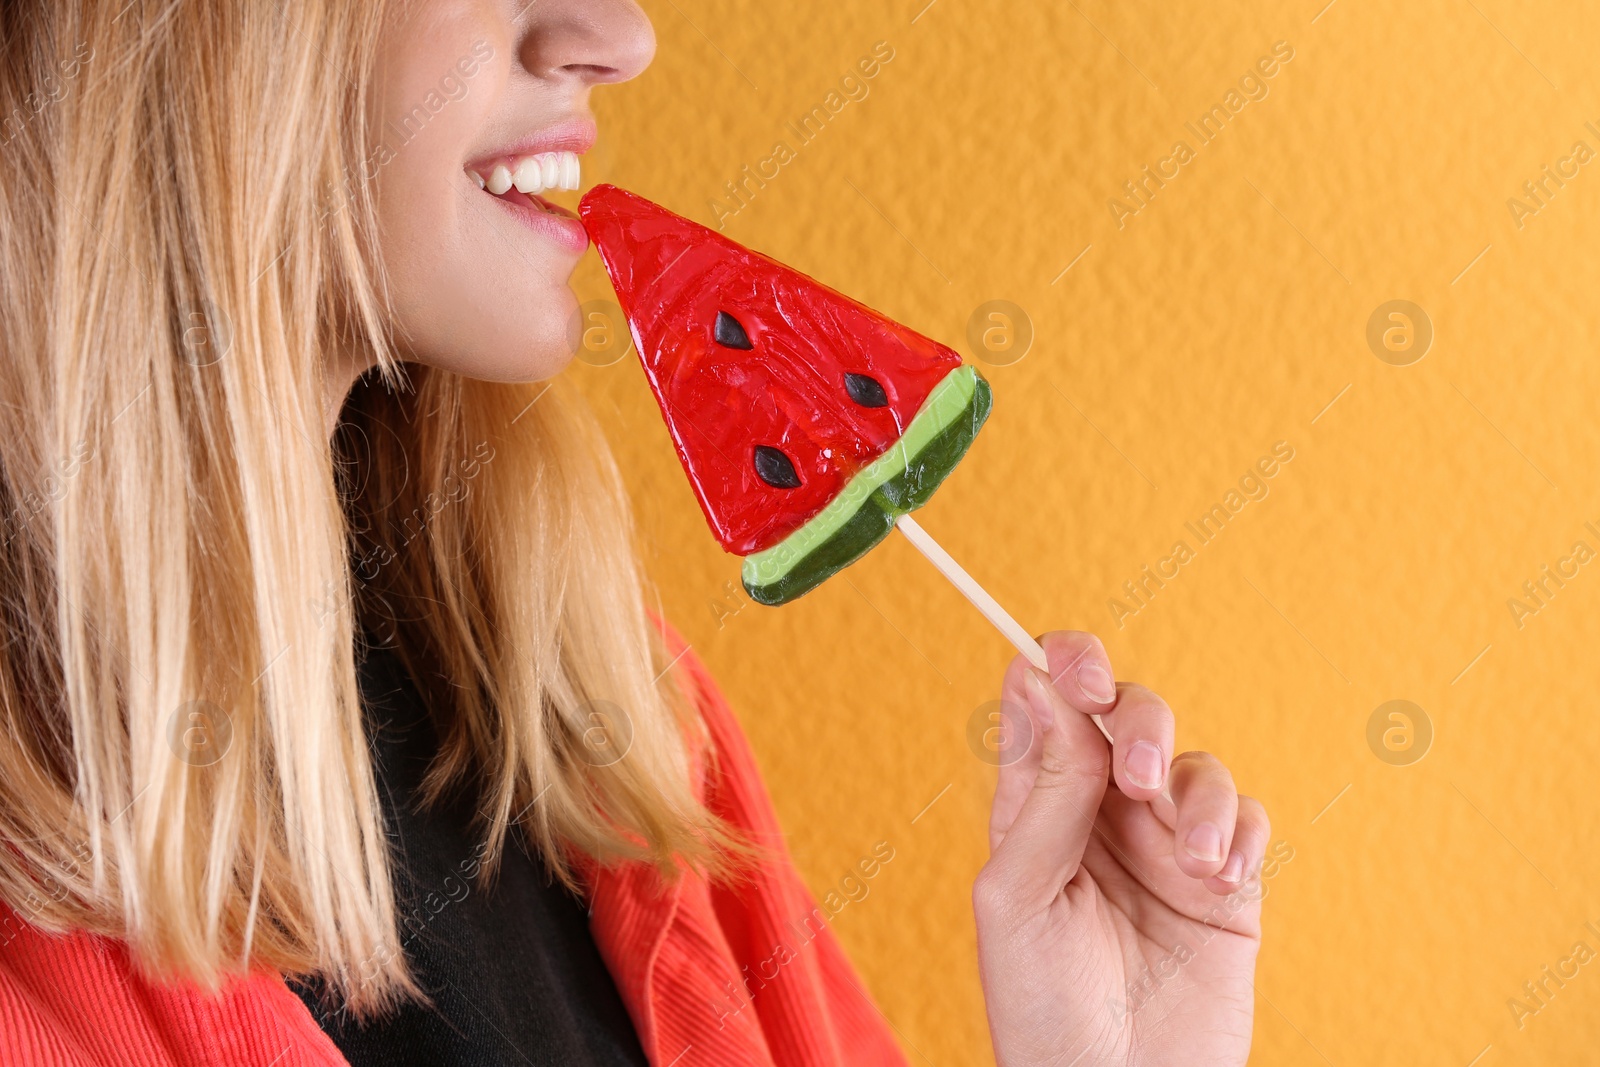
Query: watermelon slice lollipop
(809,425)
(806,422)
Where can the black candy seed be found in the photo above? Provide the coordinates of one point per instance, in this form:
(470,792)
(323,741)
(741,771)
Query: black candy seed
(865,390)
(775,469)
(729,333)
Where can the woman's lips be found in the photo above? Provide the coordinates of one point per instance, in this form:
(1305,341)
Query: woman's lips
(555,209)
(544,218)
(516,174)
(574,135)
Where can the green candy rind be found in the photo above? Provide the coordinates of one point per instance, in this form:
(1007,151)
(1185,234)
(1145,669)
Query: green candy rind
(899,481)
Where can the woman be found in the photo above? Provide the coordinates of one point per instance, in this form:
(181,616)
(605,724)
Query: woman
(298,555)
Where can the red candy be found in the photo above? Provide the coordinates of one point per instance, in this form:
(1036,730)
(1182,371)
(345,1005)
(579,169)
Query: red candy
(775,388)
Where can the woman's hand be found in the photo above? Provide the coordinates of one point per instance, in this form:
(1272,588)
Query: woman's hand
(1119,914)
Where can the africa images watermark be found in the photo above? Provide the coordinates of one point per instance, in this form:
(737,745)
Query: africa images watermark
(732,600)
(418,915)
(396,133)
(1252,88)
(454,489)
(1537,993)
(1143,987)
(1538,591)
(52,90)
(853,887)
(1252,487)
(30,504)
(379,553)
(1537,193)
(49,889)
(853,87)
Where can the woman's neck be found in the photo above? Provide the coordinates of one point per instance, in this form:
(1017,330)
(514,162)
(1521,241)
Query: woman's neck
(343,370)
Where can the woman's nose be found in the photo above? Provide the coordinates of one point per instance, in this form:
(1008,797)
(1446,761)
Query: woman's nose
(595,40)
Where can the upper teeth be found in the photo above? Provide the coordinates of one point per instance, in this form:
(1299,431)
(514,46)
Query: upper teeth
(533,174)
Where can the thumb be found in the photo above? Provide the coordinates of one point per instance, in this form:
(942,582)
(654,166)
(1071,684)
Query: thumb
(1042,849)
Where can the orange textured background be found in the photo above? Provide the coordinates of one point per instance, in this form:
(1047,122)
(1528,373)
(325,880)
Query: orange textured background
(1229,313)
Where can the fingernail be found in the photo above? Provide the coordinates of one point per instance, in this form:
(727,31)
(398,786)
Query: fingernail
(1039,698)
(1204,843)
(1096,683)
(1144,765)
(1233,870)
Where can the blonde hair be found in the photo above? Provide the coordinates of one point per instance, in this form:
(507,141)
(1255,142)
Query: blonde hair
(185,241)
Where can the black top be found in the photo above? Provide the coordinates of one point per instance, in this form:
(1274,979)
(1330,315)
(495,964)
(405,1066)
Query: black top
(513,973)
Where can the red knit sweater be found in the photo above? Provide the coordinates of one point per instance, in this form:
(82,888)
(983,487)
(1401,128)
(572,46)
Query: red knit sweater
(682,954)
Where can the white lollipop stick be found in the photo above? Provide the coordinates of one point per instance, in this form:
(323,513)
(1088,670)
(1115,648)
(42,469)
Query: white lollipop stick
(980,598)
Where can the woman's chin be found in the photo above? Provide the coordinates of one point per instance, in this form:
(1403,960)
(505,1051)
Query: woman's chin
(525,366)
(537,344)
